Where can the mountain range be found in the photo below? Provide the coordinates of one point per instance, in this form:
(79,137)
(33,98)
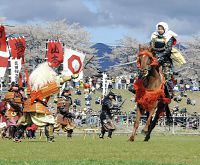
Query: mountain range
(105,62)
(103,49)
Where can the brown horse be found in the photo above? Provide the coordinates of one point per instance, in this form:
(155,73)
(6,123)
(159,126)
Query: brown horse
(150,91)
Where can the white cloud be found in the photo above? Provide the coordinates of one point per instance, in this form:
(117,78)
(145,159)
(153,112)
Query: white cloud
(137,15)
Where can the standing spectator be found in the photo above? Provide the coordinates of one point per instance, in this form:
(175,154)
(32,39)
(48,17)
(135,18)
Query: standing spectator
(123,82)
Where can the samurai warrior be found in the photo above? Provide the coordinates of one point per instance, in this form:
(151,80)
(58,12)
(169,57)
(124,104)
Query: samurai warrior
(64,118)
(44,82)
(106,116)
(162,41)
(15,100)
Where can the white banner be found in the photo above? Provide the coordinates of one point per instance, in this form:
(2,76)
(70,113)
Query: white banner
(73,62)
(15,66)
(3,62)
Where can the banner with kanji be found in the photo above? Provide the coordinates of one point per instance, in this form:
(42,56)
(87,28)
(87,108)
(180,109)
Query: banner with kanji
(17,48)
(54,53)
(15,66)
(73,62)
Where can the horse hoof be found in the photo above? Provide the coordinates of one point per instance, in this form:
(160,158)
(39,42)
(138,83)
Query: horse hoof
(146,139)
(131,139)
(143,132)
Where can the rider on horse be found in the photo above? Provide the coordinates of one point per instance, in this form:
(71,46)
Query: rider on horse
(162,41)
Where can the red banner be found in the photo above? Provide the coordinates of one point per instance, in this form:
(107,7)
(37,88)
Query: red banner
(2,39)
(54,53)
(3,61)
(18,46)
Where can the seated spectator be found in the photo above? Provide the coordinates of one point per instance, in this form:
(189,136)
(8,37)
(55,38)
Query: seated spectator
(97,100)
(78,92)
(77,102)
(188,101)
(178,98)
(119,98)
(87,103)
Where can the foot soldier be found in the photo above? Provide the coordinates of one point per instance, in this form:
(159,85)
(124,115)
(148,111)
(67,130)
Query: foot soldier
(44,83)
(14,99)
(64,118)
(106,115)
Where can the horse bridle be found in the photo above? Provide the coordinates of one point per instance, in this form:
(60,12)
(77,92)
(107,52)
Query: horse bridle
(153,61)
(144,72)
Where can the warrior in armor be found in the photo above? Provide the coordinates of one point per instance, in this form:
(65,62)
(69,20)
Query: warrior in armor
(3,119)
(106,115)
(64,118)
(14,99)
(44,82)
(162,41)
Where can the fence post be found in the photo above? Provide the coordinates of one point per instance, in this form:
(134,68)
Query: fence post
(199,122)
(127,120)
(173,131)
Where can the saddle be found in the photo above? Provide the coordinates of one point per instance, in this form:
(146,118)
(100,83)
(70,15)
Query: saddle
(109,125)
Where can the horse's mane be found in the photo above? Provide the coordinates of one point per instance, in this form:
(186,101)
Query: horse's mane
(146,50)
(144,47)
(41,76)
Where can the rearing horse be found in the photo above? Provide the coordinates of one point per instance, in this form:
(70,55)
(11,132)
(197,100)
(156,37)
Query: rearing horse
(150,92)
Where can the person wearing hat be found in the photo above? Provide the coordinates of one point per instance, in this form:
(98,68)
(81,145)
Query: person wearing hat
(162,41)
(106,115)
(14,100)
(64,118)
(44,83)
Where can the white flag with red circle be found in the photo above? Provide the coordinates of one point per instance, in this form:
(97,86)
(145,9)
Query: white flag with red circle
(4,53)
(4,56)
(73,62)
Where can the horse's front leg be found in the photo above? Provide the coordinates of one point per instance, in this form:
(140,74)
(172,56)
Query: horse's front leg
(148,122)
(135,125)
(153,124)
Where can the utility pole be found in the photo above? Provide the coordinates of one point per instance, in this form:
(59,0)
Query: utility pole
(104,84)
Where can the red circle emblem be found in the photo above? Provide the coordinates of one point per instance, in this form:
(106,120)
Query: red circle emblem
(70,61)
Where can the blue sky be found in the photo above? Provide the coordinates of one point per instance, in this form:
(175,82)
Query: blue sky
(110,20)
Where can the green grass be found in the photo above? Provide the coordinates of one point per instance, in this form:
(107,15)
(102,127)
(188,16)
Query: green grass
(160,150)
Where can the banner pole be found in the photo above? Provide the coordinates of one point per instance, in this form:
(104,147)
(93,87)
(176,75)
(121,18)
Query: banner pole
(1,87)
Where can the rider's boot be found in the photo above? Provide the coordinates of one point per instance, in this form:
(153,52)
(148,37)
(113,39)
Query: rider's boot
(101,136)
(69,133)
(109,133)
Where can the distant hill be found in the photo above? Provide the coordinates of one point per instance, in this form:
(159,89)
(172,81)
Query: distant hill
(103,49)
(105,62)
(180,47)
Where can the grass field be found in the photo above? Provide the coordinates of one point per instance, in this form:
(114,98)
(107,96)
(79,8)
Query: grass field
(160,150)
